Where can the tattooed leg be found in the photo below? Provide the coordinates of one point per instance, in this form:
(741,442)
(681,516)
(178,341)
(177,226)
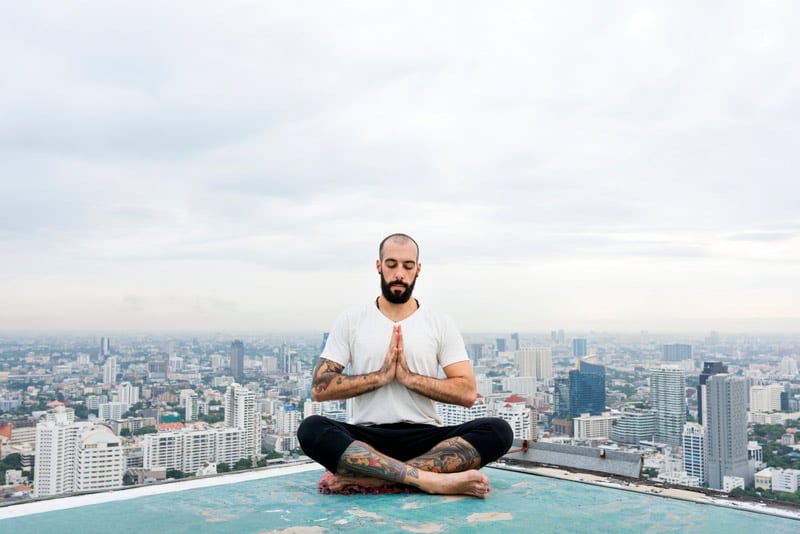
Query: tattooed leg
(450,456)
(362,461)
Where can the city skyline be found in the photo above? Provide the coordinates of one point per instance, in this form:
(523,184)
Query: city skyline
(624,169)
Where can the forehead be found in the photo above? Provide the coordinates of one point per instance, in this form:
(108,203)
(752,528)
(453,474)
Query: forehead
(400,251)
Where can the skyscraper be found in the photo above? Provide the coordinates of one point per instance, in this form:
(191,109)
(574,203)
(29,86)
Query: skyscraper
(515,339)
(110,370)
(694,451)
(709,369)
(668,398)
(236,354)
(75,456)
(535,361)
(579,347)
(726,430)
(240,412)
(676,352)
(587,389)
(500,343)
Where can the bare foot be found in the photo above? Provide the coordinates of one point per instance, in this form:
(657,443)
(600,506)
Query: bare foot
(472,483)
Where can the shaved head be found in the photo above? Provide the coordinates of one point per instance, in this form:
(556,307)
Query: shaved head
(399,239)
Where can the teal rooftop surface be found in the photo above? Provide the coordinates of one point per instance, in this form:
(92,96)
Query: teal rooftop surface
(290,503)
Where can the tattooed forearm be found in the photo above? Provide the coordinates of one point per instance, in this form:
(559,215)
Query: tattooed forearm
(329,383)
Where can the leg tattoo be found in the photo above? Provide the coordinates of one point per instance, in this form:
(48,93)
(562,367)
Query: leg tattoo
(450,456)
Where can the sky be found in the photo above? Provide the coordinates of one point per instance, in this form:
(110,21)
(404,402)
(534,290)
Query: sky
(232,166)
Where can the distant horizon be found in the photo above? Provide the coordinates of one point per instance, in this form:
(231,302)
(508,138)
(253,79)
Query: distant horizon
(613,168)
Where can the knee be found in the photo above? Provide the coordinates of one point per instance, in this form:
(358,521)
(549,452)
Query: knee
(504,432)
(310,428)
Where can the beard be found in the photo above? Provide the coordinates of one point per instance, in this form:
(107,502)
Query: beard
(390,294)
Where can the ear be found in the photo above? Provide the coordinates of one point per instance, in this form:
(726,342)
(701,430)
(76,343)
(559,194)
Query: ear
(419,268)
(378,265)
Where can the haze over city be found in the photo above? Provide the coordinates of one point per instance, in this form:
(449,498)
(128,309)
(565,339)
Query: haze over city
(203,166)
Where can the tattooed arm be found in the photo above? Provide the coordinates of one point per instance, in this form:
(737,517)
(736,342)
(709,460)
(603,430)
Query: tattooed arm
(329,383)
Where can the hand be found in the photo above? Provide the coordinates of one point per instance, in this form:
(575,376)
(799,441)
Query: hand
(387,371)
(402,373)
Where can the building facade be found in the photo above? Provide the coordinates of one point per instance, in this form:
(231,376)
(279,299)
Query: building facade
(726,431)
(668,399)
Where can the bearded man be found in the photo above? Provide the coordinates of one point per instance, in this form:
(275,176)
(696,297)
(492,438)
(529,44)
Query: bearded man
(394,349)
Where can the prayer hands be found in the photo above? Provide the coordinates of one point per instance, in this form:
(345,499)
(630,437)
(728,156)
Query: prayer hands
(395,365)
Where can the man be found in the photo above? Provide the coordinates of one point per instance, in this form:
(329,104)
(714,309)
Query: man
(395,347)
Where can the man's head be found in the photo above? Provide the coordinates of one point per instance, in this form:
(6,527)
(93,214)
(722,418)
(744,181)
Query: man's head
(398,266)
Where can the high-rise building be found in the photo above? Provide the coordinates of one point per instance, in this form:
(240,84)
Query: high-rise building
(587,389)
(668,398)
(635,425)
(766,398)
(520,417)
(75,456)
(127,394)
(515,339)
(110,371)
(788,366)
(109,411)
(579,347)
(240,412)
(237,359)
(694,451)
(475,351)
(500,344)
(287,422)
(677,352)
(191,405)
(535,361)
(709,369)
(726,430)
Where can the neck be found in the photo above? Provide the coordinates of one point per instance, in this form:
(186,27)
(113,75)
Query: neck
(396,312)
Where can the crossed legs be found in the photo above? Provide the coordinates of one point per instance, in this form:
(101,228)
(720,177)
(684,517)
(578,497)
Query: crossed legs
(449,468)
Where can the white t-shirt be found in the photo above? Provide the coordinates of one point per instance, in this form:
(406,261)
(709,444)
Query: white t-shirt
(360,338)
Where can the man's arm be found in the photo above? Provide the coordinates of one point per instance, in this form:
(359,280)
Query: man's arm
(457,388)
(329,383)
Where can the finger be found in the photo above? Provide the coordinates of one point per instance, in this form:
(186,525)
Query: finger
(399,338)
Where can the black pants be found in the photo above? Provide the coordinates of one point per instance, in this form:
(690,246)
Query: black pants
(325,440)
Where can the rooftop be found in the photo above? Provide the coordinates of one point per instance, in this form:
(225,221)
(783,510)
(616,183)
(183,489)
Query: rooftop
(286,500)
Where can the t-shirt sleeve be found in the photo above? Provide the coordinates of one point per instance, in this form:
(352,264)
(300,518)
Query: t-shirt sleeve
(452,349)
(337,347)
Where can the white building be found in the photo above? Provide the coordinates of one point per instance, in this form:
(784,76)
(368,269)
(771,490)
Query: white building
(594,426)
(240,412)
(755,455)
(110,371)
(668,398)
(190,402)
(109,411)
(679,478)
(128,394)
(777,418)
(521,418)
(536,362)
(188,449)
(788,366)
(729,483)
(288,421)
(635,425)
(726,431)
(451,414)
(786,480)
(312,407)
(521,385)
(765,398)
(694,451)
(763,479)
(74,456)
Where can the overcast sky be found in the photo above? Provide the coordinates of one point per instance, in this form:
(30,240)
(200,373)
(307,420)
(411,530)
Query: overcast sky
(232,166)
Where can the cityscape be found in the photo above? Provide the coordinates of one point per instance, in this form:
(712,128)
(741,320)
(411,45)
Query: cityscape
(87,413)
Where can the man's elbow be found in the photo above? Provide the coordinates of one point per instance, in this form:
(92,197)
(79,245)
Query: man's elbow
(469,399)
